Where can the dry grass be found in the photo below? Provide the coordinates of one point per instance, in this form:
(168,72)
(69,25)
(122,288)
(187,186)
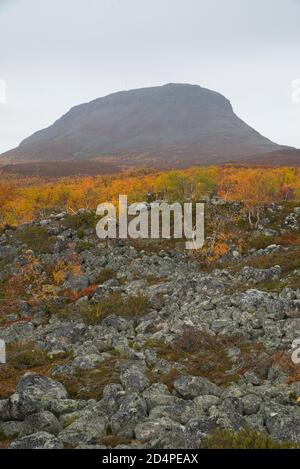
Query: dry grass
(164,378)
(131,306)
(155,280)
(288,261)
(22,358)
(104,275)
(89,384)
(80,221)
(283,361)
(36,238)
(5,442)
(111,441)
(244,439)
(206,355)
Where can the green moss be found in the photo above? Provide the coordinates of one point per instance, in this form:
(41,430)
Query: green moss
(3,437)
(244,439)
(6,441)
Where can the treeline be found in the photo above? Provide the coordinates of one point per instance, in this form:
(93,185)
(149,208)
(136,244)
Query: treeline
(22,200)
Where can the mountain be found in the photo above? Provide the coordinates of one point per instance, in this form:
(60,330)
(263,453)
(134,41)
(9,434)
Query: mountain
(164,126)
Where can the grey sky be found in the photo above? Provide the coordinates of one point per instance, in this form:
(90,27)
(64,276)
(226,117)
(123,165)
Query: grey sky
(59,53)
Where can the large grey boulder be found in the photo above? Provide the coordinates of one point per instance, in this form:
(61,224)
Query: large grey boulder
(41,422)
(133,410)
(251,404)
(161,433)
(35,388)
(134,379)
(17,408)
(40,440)
(34,393)
(193,386)
(158,394)
(10,429)
(283,423)
(88,429)
(199,427)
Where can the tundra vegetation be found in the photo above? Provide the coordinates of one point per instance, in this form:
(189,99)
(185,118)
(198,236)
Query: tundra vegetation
(140,343)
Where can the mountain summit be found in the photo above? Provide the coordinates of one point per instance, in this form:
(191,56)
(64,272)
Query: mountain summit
(170,125)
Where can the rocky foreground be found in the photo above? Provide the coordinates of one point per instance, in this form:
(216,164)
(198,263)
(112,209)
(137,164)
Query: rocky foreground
(119,345)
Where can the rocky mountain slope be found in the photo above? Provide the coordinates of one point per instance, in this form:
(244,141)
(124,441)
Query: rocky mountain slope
(138,345)
(171,125)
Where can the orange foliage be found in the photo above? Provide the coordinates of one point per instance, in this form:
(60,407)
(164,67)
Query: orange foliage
(89,291)
(22,200)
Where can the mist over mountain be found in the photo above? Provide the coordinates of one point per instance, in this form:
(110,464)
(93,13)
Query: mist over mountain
(170,125)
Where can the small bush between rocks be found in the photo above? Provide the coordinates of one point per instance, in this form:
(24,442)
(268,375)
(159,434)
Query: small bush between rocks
(84,245)
(260,242)
(80,233)
(155,280)
(284,362)
(89,384)
(80,221)
(244,439)
(104,275)
(36,238)
(288,239)
(22,357)
(131,306)
(207,355)
(27,358)
(4,441)
(111,441)
(288,261)
(165,378)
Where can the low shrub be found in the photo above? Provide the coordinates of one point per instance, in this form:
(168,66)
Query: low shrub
(131,306)
(80,221)
(207,355)
(28,357)
(22,357)
(84,245)
(104,275)
(89,384)
(36,238)
(244,439)
(111,441)
(260,242)
(288,261)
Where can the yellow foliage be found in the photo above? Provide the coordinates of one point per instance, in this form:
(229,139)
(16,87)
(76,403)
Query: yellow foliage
(22,200)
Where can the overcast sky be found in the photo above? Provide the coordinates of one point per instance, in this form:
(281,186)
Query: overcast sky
(55,54)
